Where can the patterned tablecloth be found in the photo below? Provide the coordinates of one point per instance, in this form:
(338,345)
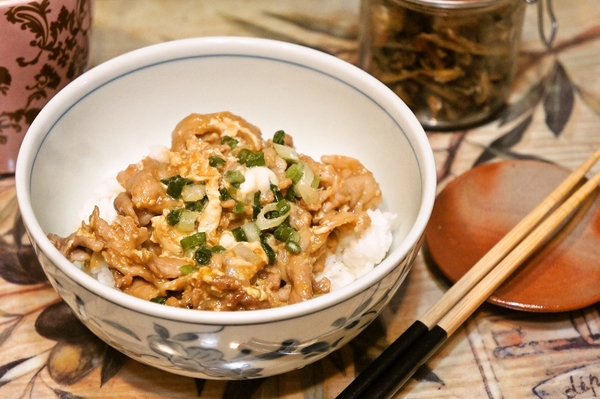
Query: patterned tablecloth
(553,115)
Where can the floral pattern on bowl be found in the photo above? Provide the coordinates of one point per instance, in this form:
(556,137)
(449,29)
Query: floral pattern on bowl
(172,346)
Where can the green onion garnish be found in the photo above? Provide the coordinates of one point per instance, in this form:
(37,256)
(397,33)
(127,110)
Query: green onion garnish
(283,232)
(230,141)
(239,207)
(187,269)
(288,154)
(215,161)
(175,185)
(283,206)
(239,234)
(316,181)
(193,241)
(276,192)
(187,221)
(203,255)
(279,137)
(295,172)
(217,249)
(273,214)
(304,178)
(196,206)
(234,177)
(290,194)
(224,194)
(174,216)
(289,236)
(267,248)
(251,232)
(256,205)
(159,299)
(250,159)
(193,192)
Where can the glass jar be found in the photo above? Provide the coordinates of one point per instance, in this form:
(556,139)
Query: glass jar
(451,61)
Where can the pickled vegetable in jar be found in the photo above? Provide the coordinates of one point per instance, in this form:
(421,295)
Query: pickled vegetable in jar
(451,61)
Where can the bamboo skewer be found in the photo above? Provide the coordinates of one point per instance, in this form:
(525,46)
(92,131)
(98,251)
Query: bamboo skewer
(424,336)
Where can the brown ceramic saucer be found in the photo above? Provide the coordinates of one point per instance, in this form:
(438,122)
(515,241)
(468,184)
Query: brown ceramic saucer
(479,207)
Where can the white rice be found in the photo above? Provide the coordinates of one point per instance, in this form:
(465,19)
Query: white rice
(357,254)
(102,197)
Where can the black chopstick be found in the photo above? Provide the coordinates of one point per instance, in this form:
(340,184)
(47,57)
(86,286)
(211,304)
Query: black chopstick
(397,363)
(384,361)
(393,378)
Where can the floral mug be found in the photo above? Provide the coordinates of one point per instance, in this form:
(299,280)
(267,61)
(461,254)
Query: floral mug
(44,44)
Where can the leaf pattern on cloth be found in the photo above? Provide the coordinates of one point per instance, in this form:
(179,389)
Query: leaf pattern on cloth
(18,263)
(500,148)
(112,362)
(71,361)
(525,104)
(559,100)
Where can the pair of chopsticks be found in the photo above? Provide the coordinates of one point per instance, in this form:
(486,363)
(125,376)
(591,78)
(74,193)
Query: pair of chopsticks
(394,367)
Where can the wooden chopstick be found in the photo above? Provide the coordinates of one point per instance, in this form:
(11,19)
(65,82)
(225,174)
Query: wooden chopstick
(449,319)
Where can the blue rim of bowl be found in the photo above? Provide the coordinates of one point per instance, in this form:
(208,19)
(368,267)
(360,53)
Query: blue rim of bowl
(226,46)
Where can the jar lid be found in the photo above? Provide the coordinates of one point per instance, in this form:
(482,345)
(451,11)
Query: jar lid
(456,3)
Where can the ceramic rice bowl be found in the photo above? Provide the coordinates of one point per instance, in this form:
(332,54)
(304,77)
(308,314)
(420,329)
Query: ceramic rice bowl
(111,115)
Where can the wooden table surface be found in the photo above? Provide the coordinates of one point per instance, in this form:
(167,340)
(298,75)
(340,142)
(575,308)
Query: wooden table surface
(553,115)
